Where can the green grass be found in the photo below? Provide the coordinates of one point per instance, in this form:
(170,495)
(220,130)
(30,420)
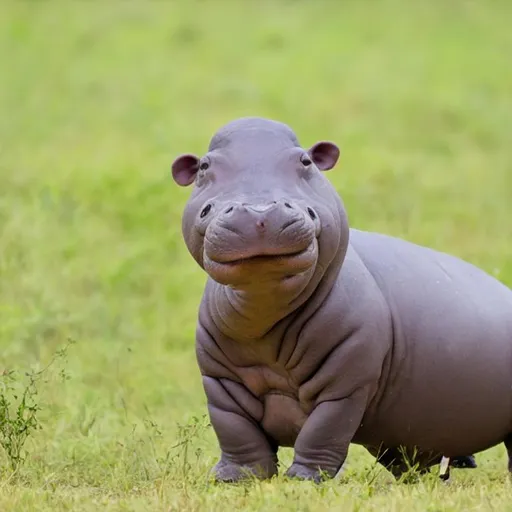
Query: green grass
(97,98)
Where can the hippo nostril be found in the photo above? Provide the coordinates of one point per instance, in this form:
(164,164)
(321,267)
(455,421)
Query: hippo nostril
(311,213)
(288,205)
(205,211)
(229,210)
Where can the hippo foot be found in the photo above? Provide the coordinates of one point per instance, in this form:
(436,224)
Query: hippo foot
(230,472)
(302,472)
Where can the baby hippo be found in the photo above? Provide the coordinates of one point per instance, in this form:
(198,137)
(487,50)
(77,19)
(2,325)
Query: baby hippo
(315,335)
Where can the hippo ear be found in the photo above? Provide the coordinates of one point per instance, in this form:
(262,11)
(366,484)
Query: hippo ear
(184,169)
(324,155)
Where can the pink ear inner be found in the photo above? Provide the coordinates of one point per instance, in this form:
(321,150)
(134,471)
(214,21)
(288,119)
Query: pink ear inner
(325,155)
(184,169)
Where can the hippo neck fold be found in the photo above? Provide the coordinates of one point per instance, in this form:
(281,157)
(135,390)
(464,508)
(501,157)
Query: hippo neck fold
(246,315)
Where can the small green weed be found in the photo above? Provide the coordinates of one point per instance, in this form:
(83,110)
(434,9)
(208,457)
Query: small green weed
(19,409)
(186,435)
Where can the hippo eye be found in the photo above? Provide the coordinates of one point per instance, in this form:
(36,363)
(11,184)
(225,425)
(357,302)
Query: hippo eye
(205,211)
(204,166)
(305,160)
(312,214)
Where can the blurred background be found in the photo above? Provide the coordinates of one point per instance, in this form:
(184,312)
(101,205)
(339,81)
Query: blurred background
(97,99)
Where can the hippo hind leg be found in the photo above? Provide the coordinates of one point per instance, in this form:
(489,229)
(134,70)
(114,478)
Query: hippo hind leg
(461,462)
(398,462)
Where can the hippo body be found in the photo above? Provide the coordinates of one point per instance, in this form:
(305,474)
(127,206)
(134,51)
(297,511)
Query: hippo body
(452,344)
(315,335)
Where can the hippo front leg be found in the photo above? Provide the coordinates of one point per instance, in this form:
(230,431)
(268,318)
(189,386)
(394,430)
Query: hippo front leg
(322,444)
(245,450)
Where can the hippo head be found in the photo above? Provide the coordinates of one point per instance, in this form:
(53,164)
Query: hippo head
(261,209)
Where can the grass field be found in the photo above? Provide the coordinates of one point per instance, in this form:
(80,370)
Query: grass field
(97,98)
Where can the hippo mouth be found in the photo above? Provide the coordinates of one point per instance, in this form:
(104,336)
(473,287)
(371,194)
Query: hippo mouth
(290,258)
(260,257)
(256,266)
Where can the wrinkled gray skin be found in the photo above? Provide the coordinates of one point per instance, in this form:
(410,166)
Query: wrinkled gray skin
(314,335)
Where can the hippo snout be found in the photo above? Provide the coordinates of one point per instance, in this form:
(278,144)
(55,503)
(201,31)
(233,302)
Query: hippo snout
(244,230)
(263,216)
